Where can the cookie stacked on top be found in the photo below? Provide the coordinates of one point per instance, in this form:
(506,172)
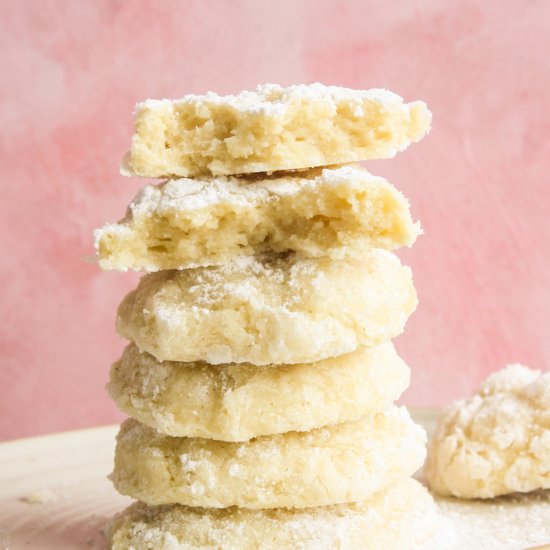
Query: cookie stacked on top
(260,375)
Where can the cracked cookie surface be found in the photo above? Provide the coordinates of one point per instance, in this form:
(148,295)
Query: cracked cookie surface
(343,463)
(236,402)
(497,441)
(401,518)
(270,310)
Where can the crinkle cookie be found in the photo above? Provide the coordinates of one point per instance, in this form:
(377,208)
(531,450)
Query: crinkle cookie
(343,463)
(186,223)
(269,310)
(497,441)
(401,518)
(271,129)
(236,402)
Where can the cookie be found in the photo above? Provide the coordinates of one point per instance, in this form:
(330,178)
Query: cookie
(271,310)
(271,129)
(237,402)
(401,518)
(497,441)
(184,223)
(343,463)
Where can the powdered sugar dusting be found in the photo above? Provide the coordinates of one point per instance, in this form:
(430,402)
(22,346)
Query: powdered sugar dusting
(506,523)
(497,441)
(192,194)
(273,100)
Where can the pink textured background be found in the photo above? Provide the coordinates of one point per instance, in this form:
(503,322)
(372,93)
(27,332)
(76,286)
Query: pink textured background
(72,71)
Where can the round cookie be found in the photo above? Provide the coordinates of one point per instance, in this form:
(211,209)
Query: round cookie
(497,441)
(236,402)
(343,463)
(269,310)
(401,518)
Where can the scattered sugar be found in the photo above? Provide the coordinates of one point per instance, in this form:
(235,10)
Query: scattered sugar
(41,496)
(505,523)
(189,465)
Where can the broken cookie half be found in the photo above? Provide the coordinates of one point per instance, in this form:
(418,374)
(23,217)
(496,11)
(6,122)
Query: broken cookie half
(271,129)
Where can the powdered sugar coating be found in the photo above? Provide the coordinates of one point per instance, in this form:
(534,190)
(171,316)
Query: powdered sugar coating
(510,522)
(237,402)
(270,310)
(271,129)
(333,212)
(274,100)
(497,441)
(402,518)
(342,463)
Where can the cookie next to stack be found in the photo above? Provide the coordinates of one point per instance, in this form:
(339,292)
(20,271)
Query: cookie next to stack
(261,376)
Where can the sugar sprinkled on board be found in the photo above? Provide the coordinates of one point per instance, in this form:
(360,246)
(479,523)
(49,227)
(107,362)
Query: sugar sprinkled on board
(41,496)
(507,523)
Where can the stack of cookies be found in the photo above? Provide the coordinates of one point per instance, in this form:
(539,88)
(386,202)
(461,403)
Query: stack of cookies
(260,377)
